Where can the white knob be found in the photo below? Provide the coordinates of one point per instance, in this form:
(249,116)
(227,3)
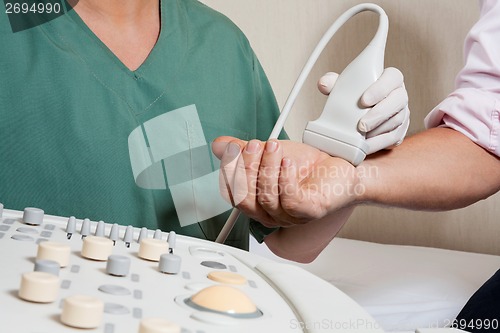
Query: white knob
(40,287)
(158,325)
(152,249)
(33,216)
(82,311)
(97,248)
(55,251)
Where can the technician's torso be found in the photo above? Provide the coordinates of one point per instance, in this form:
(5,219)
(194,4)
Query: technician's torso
(68,106)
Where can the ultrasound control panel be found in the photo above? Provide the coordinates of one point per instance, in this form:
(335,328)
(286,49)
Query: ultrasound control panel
(67,274)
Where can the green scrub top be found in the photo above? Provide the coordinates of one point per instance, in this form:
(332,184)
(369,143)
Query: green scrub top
(68,106)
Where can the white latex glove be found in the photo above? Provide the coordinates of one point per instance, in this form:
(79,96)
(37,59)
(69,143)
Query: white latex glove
(386,123)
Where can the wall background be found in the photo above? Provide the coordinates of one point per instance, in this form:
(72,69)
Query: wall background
(425,42)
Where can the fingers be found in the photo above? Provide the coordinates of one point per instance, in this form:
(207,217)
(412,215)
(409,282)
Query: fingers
(269,190)
(231,166)
(239,178)
(390,139)
(388,108)
(326,82)
(390,80)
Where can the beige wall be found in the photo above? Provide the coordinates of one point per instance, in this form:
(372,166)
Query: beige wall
(425,42)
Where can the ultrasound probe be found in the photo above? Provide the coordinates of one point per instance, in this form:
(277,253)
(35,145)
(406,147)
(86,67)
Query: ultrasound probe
(336,130)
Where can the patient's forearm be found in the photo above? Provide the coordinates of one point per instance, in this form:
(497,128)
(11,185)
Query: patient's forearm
(303,243)
(438,169)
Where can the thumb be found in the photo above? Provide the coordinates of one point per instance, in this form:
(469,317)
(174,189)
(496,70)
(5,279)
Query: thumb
(326,82)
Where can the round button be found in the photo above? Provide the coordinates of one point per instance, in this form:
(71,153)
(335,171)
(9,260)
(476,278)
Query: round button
(169,263)
(118,265)
(158,325)
(97,248)
(224,300)
(227,277)
(82,311)
(55,251)
(152,249)
(40,287)
(48,266)
(33,216)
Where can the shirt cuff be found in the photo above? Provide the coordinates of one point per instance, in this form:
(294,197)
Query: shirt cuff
(472,112)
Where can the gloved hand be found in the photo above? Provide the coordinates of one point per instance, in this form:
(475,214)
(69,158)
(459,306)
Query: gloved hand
(386,123)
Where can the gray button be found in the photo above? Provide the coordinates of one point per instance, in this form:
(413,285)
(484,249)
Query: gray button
(50,227)
(23,238)
(213,264)
(4,227)
(135,277)
(186,275)
(46,234)
(118,265)
(252,283)
(48,266)
(169,263)
(27,230)
(9,221)
(232,268)
(117,309)
(33,216)
(137,313)
(108,327)
(137,294)
(114,290)
(41,240)
(65,284)
(75,269)
(1,235)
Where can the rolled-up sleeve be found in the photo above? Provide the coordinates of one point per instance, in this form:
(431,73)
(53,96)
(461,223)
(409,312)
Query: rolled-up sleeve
(474,107)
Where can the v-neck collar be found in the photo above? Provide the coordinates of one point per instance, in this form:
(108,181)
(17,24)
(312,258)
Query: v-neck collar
(157,72)
(137,72)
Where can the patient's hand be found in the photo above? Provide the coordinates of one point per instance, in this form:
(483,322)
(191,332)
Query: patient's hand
(283,183)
